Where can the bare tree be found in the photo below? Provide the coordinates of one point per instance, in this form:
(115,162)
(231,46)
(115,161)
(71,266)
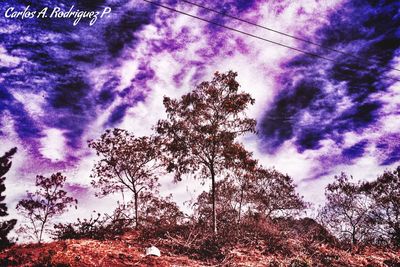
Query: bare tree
(127,163)
(200,131)
(7,225)
(47,202)
(274,194)
(385,210)
(346,210)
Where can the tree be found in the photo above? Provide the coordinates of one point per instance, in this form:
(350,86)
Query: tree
(274,194)
(385,209)
(127,163)
(240,179)
(346,210)
(47,202)
(201,128)
(161,212)
(267,192)
(226,205)
(5,226)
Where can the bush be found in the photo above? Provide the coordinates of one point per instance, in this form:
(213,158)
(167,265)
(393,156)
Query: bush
(99,227)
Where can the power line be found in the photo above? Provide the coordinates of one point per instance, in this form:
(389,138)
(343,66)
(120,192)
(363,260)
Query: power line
(239,31)
(249,34)
(279,32)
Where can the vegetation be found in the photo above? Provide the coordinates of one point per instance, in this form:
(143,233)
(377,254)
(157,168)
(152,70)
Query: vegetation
(346,210)
(256,210)
(127,163)
(364,212)
(7,225)
(384,194)
(200,133)
(47,202)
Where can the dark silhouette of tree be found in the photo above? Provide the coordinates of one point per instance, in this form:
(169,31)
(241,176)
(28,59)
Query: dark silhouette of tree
(127,163)
(385,210)
(346,210)
(5,226)
(47,202)
(201,128)
(274,194)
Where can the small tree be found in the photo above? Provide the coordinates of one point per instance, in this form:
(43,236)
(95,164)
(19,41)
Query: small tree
(200,131)
(242,175)
(161,212)
(47,202)
(5,226)
(227,194)
(346,210)
(127,163)
(274,194)
(385,210)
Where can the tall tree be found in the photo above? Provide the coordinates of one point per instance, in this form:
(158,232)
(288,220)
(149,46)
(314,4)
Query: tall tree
(346,210)
(385,210)
(200,131)
(127,163)
(47,202)
(8,225)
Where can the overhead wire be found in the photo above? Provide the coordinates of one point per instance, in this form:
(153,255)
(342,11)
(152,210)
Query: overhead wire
(251,35)
(278,32)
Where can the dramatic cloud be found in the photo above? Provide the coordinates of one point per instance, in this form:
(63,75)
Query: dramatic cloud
(61,85)
(323,100)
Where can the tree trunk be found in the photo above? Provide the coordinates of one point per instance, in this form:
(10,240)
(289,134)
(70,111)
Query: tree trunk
(214,215)
(42,227)
(41,232)
(396,235)
(353,236)
(240,203)
(136,211)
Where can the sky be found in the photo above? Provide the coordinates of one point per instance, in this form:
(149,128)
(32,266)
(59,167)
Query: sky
(63,84)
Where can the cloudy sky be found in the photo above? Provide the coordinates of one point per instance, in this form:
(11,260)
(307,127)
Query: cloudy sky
(63,84)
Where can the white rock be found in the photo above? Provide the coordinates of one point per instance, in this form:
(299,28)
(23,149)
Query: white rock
(153,251)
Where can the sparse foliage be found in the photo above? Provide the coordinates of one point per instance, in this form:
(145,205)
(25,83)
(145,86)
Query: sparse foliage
(47,202)
(267,193)
(273,194)
(199,134)
(346,211)
(385,208)
(226,206)
(100,227)
(364,212)
(127,163)
(7,225)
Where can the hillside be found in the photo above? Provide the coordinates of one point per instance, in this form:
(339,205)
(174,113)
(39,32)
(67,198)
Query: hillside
(128,250)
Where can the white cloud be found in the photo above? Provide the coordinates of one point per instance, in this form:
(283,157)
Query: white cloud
(7,60)
(257,69)
(53,145)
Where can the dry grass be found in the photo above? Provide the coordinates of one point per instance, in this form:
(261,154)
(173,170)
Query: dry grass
(128,250)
